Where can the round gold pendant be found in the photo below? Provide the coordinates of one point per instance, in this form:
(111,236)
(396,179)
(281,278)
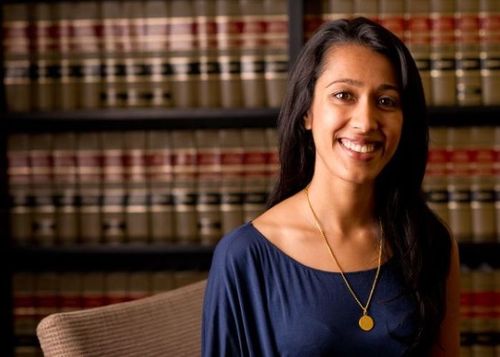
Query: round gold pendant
(366,322)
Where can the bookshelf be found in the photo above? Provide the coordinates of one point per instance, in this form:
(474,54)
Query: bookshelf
(164,256)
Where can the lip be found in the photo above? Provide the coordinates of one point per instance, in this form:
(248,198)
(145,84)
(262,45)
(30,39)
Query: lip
(365,143)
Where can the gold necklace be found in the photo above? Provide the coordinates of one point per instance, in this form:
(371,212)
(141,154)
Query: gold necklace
(365,322)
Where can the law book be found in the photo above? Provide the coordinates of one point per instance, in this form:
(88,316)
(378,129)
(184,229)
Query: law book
(186,277)
(417,37)
(136,78)
(468,63)
(46,294)
(114,53)
(229,28)
(255,167)
(138,285)
(483,212)
(313,18)
(183,56)
(137,200)
(459,183)
(20,190)
(155,42)
(466,311)
(161,281)
(208,186)
(435,180)
(44,210)
(273,160)
(206,24)
(337,9)
(90,190)
(16,56)
(391,15)
(113,188)
(70,291)
(64,171)
(93,289)
(232,161)
(484,323)
(160,175)
(489,38)
(184,188)
(87,47)
(253,43)
(65,89)
(24,314)
(276,51)
(46,67)
(496,171)
(367,8)
(115,287)
(443,49)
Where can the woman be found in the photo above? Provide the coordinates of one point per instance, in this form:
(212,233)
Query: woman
(348,260)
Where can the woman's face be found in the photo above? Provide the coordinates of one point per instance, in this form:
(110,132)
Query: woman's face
(356,116)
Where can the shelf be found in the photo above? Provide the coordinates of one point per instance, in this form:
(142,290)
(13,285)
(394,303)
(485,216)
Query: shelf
(475,254)
(464,116)
(140,118)
(124,257)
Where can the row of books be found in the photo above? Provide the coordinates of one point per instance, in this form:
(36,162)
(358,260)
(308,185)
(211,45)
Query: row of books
(479,307)
(137,186)
(194,186)
(155,53)
(462,180)
(37,295)
(456,43)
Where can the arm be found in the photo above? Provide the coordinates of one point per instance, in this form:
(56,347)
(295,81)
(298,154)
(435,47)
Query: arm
(448,343)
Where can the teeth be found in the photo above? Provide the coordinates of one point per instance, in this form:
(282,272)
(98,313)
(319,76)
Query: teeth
(358,148)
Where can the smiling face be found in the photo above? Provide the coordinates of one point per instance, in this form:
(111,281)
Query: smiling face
(356,116)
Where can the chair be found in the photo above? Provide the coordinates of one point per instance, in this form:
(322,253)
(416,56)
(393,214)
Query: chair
(165,324)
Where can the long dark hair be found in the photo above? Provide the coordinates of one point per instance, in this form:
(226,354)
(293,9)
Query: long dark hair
(419,241)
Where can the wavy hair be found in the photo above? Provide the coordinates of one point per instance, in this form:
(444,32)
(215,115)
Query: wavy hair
(419,240)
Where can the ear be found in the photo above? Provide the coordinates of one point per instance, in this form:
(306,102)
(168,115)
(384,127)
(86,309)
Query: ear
(308,121)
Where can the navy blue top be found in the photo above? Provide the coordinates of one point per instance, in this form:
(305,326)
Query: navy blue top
(261,302)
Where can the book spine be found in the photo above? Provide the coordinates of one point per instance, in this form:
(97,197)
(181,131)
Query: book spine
(46,294)
(185,186)
(89,176)
(435,180)
(87,46)
(483,323)
(209,193)
(70,291)
(496,172)
(337,9)
(313,18)
(391,16)
(229,29)
(138,285)
(483,184)
(418,39)
(468,64)
(24,313)
(489,38)
(276,51)
(65,187)
(367,8)
(115,287)
(459,183)
(255,165)
(232,159)
(159,163)
(93,289)
(16,57)
(155,42)
(47,68)
(208,85)
(443,52)
(136,209)
(466,311)
(19,173)
(161,281)
(114,190)
(252,53)
(183,59)
(44,224)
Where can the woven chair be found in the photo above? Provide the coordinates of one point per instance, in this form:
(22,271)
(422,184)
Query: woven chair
(166,324)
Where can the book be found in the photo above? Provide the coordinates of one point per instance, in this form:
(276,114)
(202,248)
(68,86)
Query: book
(337,9)
(391,14)
(93,289)
(489,38)
(24,313)
(69,287)
(115,287)
(367,8)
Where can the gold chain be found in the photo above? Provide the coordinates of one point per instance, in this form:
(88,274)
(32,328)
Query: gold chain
(316,221)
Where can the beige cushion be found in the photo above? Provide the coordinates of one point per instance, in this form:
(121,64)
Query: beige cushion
(166,324)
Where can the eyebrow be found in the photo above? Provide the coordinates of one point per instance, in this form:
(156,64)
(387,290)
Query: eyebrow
(357,83)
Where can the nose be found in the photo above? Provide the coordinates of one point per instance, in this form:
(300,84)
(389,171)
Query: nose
(365,117)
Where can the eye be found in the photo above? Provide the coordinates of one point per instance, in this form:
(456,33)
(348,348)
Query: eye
(388,102)
(343,96)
